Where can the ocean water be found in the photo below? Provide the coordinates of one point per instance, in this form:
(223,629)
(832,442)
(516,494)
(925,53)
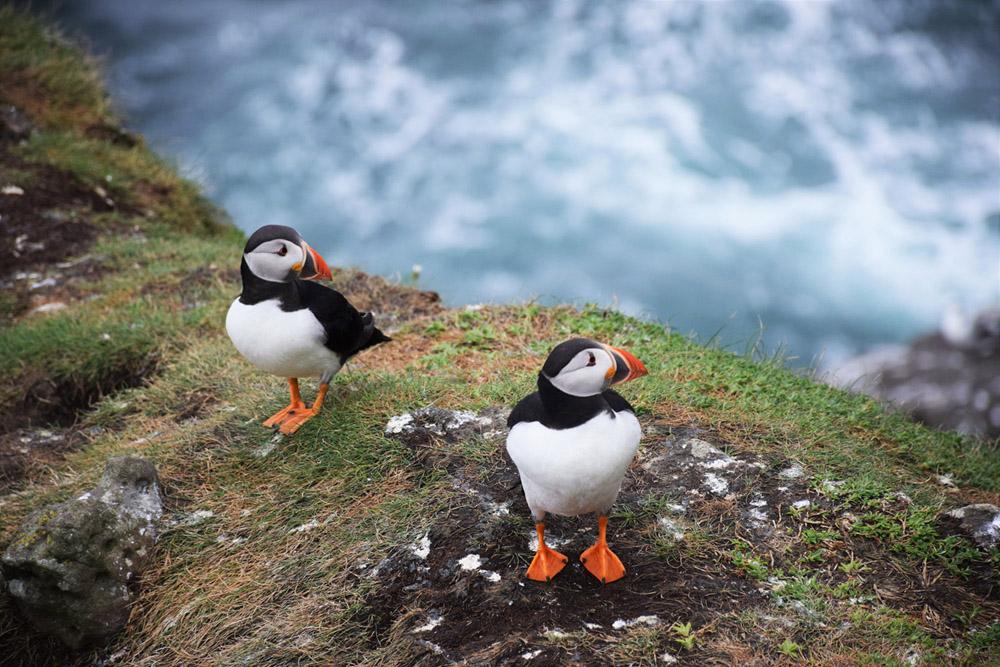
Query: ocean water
(829,171)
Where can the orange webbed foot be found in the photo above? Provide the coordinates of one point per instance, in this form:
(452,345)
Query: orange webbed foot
(297,413)
(295,422)
(547,562)
(295,406)
(284,414)
(600,560)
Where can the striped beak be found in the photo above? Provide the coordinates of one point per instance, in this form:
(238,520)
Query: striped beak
(627,366)
(315,267)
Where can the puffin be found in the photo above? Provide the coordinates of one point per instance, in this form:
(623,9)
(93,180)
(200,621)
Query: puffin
(286,324)
(572,442)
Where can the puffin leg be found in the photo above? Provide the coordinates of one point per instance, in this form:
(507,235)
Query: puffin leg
(599,559)
(301,416)
(547,562)
(295,405)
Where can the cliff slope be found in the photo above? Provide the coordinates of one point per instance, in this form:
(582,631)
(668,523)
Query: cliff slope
(767,518)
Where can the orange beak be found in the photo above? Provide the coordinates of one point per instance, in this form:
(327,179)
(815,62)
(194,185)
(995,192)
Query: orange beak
(315,266)
(627,366)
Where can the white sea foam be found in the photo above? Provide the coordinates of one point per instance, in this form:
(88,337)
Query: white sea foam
(843,202)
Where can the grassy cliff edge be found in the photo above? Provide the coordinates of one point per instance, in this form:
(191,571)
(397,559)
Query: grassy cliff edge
(112,340)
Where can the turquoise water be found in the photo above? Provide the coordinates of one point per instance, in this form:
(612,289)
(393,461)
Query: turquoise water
(829,170)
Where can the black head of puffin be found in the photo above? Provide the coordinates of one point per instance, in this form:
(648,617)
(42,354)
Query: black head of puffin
(585,367)
(278,253)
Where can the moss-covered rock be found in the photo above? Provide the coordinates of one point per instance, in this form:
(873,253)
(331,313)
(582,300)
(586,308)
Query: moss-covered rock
(73,565)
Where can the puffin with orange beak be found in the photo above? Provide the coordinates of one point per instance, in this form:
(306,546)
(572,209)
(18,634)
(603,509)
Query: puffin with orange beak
(286,324)
(572,442)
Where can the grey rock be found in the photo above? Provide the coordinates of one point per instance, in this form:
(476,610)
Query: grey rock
(981,521)
(72,567)
(947,379)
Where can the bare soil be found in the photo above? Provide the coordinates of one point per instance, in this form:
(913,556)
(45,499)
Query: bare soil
(682,484)
(45,234)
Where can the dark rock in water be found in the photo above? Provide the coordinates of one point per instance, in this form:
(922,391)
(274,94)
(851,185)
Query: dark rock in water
(72,565)
(981,521)
(949,379)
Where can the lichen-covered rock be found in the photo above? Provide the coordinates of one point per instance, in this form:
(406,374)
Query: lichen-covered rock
(71,566)
(981,521)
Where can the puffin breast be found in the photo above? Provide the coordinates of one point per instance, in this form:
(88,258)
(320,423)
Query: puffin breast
(285,343)
(574,470)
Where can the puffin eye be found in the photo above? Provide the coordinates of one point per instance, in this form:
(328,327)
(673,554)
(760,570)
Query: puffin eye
(592,359)
(283,251)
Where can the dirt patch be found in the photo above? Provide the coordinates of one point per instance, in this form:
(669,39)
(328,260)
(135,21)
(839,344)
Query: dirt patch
(25,452)
(458,592)
(58,401)
(391,303)
(22,646)
(189,286)
(43,221)
(706,532)
(53,287)
(195,404)
(112,134)
(46,229)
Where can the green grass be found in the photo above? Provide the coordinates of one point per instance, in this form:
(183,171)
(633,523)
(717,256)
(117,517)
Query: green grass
(133,176)
(47,77)
(244,586)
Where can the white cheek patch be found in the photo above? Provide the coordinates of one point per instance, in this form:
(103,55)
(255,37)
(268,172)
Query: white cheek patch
(585,380)
(268,265)
(576,383)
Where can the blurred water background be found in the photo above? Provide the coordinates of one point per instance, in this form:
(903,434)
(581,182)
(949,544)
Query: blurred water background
(831,170)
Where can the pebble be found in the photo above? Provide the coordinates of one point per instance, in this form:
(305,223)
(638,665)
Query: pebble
(470,562)
(421,548)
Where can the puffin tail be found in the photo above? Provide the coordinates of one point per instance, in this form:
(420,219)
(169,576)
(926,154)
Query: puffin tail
(373,335)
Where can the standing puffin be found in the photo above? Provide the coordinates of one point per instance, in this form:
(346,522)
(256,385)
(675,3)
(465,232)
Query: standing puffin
(572,442)
(287,325)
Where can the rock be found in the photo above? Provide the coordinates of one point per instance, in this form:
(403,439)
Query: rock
(14,124)
(51,307)
(949,379)
(981,521)
(793,471)
(72,565)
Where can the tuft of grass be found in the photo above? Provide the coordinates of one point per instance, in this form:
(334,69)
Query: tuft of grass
(135,177)
(45,76)
(790,648)
(684,636)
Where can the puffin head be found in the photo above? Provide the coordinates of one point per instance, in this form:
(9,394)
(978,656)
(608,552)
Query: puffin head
(584,367)
(279,255)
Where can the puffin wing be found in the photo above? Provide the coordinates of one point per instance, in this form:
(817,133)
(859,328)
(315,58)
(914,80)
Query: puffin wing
(348,331)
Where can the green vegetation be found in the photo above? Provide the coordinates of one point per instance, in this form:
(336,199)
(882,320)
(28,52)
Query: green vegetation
(139,360)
